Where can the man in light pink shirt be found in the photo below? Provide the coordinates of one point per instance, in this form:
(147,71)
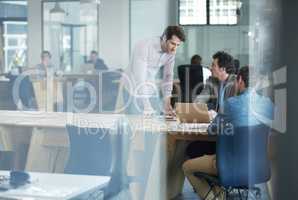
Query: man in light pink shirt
(148,57)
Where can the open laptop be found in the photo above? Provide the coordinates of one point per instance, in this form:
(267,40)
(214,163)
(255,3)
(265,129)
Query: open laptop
(192,113)
(87,68)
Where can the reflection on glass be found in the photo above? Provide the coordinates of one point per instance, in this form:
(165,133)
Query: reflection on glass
(71,39)
(192,12)
(223,12)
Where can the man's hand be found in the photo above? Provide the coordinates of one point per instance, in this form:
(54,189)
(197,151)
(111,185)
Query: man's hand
(148,110)
(168,107)
(212,114)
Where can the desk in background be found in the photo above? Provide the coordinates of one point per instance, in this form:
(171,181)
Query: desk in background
(6,101)
(46,186)
(77,92)
(99,90)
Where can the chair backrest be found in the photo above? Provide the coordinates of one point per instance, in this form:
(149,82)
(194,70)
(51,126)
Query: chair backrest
(90,151)
(7,160)
(242,157)
(101,151)
(110,88)
(191,81)
(23,87)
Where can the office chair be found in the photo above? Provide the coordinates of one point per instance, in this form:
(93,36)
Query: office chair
(144,158)
(102,152)
(90,151)
(242,161)
(191,81)
(7,160)
(24,91)
(110,88)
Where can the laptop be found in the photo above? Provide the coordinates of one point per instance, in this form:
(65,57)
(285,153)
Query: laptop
(192,113)
(87,68)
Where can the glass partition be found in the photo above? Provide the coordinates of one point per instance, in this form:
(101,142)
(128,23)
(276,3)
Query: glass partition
(79,129)
(71,34)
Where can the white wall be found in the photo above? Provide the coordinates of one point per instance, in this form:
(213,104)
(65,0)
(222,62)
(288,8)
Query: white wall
(34,32)
(114,32)
(148,18)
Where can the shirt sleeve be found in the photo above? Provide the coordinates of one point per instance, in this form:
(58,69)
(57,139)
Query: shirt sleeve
(227,108)
(222,122)
(167,83)
(139,67)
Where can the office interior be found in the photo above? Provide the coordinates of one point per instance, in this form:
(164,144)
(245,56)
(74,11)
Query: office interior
(65,125)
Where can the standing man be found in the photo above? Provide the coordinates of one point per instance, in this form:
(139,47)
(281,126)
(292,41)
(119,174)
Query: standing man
(141,92)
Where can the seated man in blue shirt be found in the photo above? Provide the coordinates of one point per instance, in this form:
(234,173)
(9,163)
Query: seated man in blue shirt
(98,63)
(246,109)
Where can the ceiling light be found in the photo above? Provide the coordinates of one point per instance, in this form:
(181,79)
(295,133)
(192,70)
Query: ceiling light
(57,13)
(90,1)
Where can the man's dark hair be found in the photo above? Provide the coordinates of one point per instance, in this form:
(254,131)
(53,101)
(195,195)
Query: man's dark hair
(225,60)
(174,30)
(196,60)
(236,65)
(45,53)
(94,52)
(244,74)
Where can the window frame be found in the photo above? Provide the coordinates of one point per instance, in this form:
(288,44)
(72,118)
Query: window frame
(207,17)
(7,47)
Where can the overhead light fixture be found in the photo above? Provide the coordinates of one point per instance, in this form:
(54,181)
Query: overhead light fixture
(90,1)
(57,13)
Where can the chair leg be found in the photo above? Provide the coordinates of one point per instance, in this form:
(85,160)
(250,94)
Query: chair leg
(211,187)
(247,194)
(218,193)
(227,194)
(239,193)
(256,193)
(228,191)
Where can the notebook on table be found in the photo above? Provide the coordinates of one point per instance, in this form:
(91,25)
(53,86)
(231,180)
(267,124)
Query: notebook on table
(192,113)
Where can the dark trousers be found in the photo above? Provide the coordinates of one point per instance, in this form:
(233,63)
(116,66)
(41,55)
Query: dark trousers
(200,148)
